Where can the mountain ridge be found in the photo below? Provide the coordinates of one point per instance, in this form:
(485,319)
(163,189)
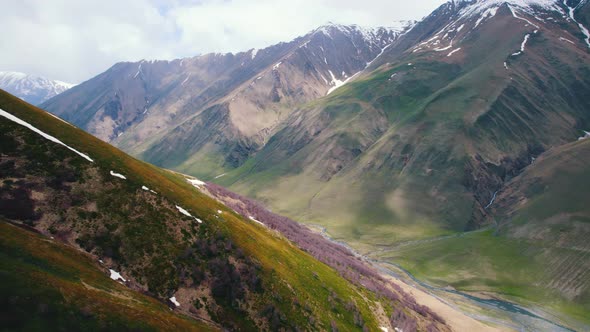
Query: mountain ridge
(32,88)
(243,96)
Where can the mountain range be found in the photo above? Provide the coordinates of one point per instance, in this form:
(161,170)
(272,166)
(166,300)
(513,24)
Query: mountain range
(464,133)
(31,88)
(241,99)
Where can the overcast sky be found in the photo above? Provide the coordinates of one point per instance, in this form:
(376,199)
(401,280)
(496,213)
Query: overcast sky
(73,40)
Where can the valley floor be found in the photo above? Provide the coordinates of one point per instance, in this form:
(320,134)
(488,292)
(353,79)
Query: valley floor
(458,320)
(474,291)
(482,263)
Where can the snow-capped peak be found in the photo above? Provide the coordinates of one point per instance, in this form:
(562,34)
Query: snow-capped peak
(65,84)
(523,3)
(473,7)
(31,88)
(368,33)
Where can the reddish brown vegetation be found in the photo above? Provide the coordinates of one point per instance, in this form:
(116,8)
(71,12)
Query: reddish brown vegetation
(348,265)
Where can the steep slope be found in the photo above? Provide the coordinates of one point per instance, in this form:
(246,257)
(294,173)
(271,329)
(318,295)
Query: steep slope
(536,254)
(30,88)
(550,186)
(240,99)
(48,286)
(546,205)
(158,234)
(418,146)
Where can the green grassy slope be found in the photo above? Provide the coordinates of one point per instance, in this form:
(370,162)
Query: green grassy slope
(537,255)
(48,286)
(226,269)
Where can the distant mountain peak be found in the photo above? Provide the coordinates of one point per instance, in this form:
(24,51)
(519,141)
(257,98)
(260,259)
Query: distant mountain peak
(31,88)
(395,26)
(476,6)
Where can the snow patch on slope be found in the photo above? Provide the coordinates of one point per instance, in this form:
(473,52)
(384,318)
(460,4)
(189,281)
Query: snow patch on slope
(587,135)
(523,44)
(567,40)
(378,55)
(441,49)
(255,220)
(183,211)
(116,275)
(173,300)
(336,82)
(521,18)
(580,25)
(117,175)
(46,136)
(185,80)
(186,213)
(488,13)
(453,51)
(139,70)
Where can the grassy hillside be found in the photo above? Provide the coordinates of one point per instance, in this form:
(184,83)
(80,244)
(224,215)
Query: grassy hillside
(216,264)
(48,286)
(537,254)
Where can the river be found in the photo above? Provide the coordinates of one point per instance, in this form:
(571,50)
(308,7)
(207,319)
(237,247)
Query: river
(521,319)
(499,312)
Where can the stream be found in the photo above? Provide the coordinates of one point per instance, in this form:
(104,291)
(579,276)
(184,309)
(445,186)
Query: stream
(523,319)
(517,317)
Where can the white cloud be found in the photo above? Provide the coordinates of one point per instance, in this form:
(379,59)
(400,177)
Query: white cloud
(73,40)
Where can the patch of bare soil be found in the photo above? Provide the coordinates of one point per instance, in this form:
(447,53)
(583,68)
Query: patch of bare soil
(457,320)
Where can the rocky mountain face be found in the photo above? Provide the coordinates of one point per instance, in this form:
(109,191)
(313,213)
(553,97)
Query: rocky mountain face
(32,89)
(218,107)
(437,124)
